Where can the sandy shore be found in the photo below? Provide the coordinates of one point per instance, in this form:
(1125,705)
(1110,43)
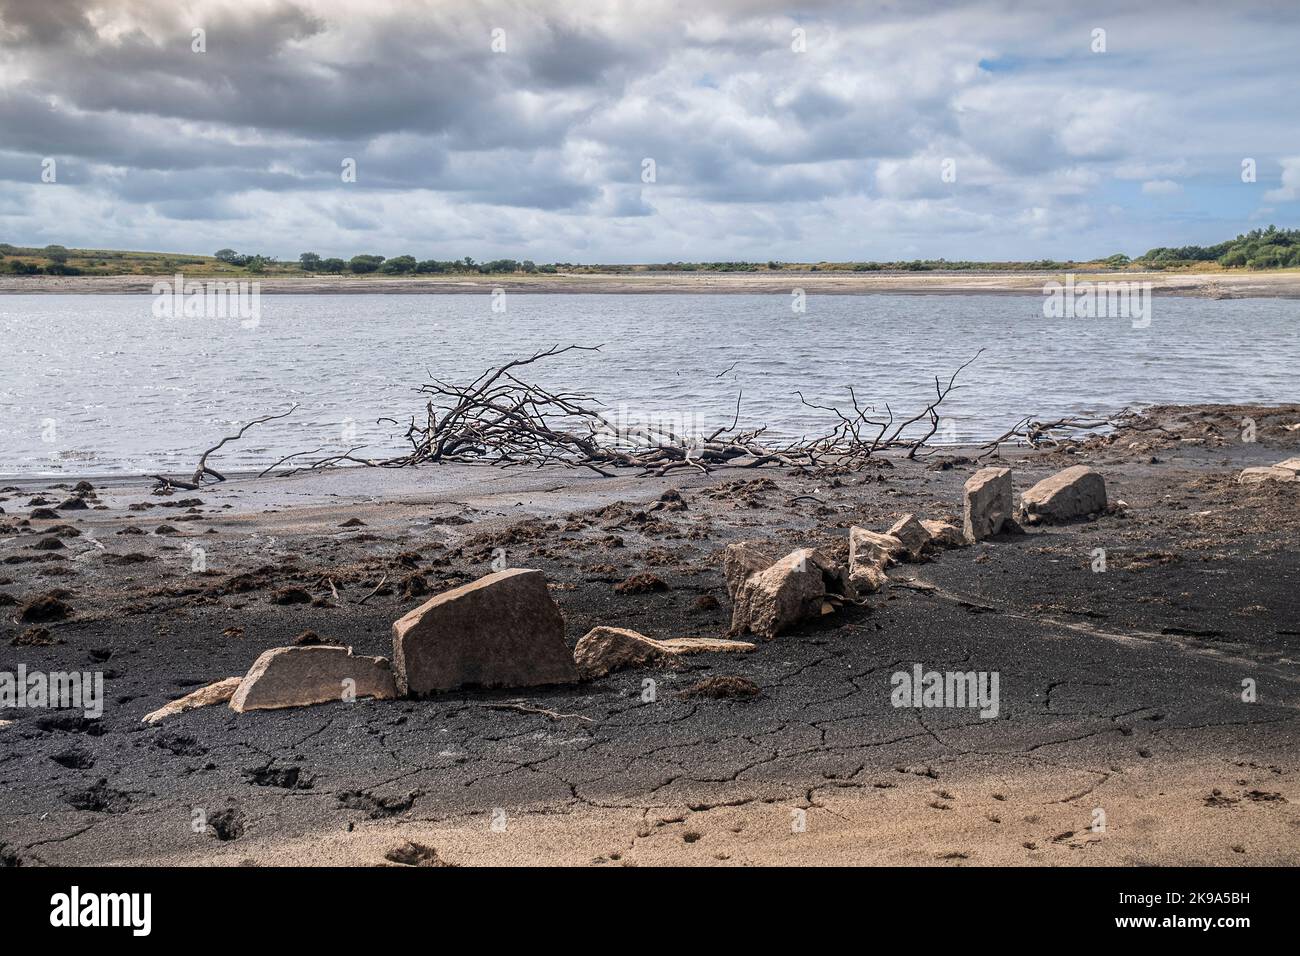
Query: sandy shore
(1213,285)
(1120,691)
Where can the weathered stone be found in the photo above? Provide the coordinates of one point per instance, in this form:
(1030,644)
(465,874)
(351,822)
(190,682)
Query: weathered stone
(1288,470)
(299,676)
(217,693)
(868,578)
(943,534)
(987,503)
(869,554)
(742,559)
(605,649)
(1253,476)
(775,598)
(503,630)
(913,535)
(1072,493)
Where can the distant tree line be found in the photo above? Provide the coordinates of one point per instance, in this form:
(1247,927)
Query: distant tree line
(409,265)
(56,264)
(1270,248)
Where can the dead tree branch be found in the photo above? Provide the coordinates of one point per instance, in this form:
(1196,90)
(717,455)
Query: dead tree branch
(500,418)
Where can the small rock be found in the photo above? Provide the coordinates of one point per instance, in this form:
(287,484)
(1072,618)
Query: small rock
(605,649)
(415,854)
(291,596)
(723,688)
(72,504)
(987,503)
(869,554)
(943,534)
(218,693)
(503,630)
(1072,493)
(1288,470)
(299,676)
(353,523)
(704,604)
(414,585)
(912,534)
(312,639)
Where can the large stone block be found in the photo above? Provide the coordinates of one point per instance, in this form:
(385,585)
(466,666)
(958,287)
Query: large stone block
(503,630)
(775,598)
(1072,493)
(987,503)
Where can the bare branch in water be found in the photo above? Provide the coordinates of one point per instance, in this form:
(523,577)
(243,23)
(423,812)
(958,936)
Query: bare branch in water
(205,469)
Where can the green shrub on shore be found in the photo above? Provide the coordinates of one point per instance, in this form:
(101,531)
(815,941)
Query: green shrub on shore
(1270,248)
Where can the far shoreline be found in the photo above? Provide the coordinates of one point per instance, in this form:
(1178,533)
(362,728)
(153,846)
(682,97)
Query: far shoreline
(1215,285)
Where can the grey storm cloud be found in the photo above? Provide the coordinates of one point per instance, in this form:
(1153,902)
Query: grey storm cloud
(761,150)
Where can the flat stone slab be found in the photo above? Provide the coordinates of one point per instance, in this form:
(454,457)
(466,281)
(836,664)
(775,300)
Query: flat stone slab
(218,693)
(1072,493)
(987,504)
(605,649)
(503,630)
(321,674)
(1253,476)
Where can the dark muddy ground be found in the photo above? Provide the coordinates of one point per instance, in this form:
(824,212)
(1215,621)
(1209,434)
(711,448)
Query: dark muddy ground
(1116,687)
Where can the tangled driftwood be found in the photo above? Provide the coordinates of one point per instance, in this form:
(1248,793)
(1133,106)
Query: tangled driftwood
(1061,431)
(503,419)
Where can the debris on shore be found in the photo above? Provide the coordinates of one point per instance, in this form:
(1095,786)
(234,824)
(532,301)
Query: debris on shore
(1288,470)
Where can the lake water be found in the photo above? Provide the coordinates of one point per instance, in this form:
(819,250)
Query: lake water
(93,385)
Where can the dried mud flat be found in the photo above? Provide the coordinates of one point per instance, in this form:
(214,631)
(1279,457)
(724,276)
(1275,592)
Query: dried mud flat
(1120,691)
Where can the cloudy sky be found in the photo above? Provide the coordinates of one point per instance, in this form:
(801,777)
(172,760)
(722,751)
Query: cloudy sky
(799,133)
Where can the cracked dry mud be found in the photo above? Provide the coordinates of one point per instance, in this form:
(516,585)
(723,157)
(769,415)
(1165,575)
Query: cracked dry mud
(1120,691)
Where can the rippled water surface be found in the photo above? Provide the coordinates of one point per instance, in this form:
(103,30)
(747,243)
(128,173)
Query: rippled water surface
(98,385)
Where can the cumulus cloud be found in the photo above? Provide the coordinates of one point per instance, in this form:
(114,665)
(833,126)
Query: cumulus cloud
(1289,191)
(775,132)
